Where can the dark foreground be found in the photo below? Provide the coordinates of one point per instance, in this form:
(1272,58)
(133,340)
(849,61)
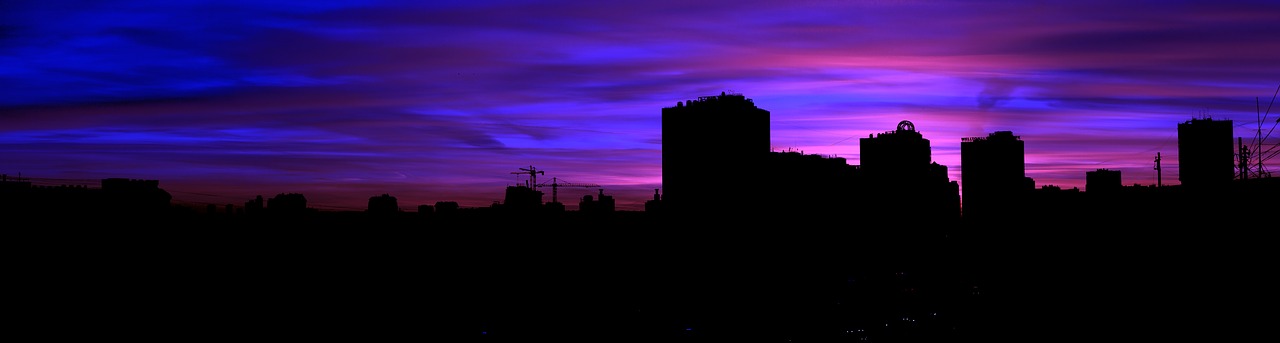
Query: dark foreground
(644,281)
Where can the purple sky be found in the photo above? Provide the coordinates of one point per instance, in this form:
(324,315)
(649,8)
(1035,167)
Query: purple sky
(443,100)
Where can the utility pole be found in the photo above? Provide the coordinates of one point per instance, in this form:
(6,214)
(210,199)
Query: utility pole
(1242,158)
(1159,176)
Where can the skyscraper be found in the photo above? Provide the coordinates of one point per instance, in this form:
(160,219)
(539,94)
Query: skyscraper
(992,173)
(1206,158)
(896,153)
(902,181)
(708,153)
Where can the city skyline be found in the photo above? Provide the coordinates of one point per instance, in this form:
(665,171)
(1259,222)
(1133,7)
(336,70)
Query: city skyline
(430,102)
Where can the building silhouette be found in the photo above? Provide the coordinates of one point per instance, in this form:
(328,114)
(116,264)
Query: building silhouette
(902,182)
(1206,156)
(255,206)
(287,203)
(1102,181)
(807,273)
(383,204)
(711,166)
(654,206)
(124,194)
(993,173)
(705,143)
(601,204)
(445,207)
(115,198)
(805,188)
(522,199)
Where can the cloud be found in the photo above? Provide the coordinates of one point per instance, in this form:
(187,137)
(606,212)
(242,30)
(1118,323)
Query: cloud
(387,95)
(995,91)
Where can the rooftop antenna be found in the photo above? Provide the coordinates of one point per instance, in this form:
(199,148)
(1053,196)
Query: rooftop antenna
(1256,153)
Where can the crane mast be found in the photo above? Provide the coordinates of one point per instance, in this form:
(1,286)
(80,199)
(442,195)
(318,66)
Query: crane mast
(556,184)
(533,175)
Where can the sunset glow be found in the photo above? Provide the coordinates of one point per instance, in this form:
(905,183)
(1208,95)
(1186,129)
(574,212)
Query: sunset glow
(433,101)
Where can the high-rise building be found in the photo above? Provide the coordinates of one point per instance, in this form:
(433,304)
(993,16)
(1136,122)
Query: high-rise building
(992,173)
(896,153)
(1206,158)
(707,153)
(901,179)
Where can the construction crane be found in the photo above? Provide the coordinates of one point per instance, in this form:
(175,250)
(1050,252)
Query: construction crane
(533,176)
(556,184)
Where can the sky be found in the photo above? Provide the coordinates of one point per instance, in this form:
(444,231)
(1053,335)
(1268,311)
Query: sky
(429,101)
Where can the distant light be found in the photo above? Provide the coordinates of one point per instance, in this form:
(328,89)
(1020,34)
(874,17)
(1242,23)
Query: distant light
(484,332)
(688,329)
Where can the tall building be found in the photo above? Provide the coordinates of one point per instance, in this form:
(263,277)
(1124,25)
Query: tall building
(903,150)
(707,153)
(1205,153)
(901,179)
(992,173)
